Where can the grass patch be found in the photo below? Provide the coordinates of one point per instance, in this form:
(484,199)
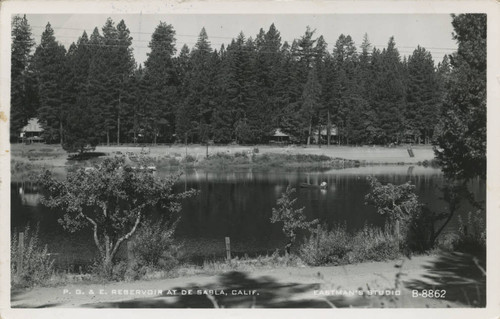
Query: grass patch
(31,265)
(255,159)
(339,247)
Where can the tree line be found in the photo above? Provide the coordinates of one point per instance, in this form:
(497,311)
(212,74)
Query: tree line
(94,92)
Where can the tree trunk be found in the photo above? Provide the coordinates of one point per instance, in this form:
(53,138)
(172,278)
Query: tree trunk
(108,259)
(61,132)
(107,136)
(319,133)
(309,133)
(328,128)
(118,119)
(118,131)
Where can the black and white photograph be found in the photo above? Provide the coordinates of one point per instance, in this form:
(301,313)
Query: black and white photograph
(248,160)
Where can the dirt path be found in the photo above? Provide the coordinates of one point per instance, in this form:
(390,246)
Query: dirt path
(281,287)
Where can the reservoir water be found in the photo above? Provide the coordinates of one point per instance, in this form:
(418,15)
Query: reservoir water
(238,204)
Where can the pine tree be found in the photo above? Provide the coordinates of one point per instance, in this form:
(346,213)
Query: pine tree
(111,71)
(161,81)
(299,62)
(22,97)
(80,133)
(97,93)
(390,105)
(346,87)
(195,114)
(422,95)
(49,66)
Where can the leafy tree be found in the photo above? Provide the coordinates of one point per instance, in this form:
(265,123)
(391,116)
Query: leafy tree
(397,202)
(22,95)
(293,219)
(461,149)
(111,200)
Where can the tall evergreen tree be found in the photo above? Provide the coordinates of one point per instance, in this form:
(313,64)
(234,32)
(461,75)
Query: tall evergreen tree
(111,71)
(50,66)
(79,132)
(390,96)
(195,114)
(346,87)
(422,95)
(22,93)
(161,81)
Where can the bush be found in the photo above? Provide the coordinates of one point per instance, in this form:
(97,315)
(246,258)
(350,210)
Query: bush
(37,267)
(338,247)
(189,159)
(154,247)
(471,235)
(421,233)
(240,154)
(331,247)
(374,244)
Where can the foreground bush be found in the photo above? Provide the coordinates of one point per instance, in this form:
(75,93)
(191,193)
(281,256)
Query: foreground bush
(339,247)
(374,244)
(471,236)
(327,247)
(37,266)
(154,246)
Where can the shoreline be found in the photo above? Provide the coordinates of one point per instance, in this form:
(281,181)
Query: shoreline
(233,156)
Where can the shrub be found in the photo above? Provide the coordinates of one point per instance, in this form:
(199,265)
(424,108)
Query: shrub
(154,247)
(189,159)
(240,154)
(293,219)
(338,247)
(374,244)
(471,235)
(37,266)
(421,233)
(331,247)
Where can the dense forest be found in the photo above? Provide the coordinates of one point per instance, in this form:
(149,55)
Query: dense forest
(94,91)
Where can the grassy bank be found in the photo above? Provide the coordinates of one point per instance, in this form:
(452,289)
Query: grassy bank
(233,155)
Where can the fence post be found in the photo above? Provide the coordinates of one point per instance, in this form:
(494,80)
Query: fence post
(20,254)
(228,249)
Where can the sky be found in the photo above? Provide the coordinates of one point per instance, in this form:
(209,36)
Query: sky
(431,31)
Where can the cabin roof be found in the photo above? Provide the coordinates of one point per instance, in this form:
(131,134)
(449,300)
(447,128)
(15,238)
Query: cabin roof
(32,126)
